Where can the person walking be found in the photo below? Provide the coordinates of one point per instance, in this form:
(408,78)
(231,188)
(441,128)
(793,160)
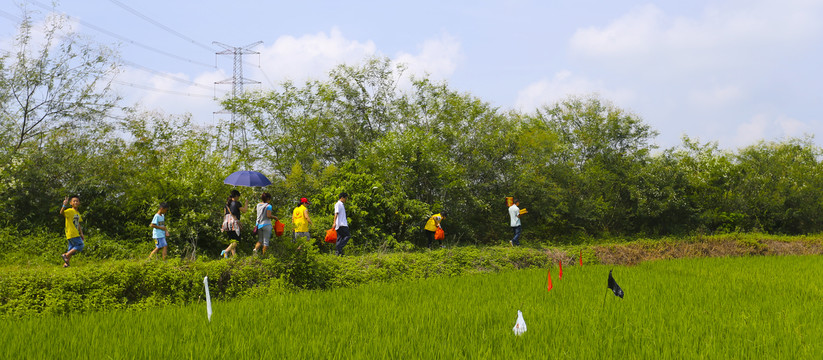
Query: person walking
(264,216)
(432,225)
(341,224)
(301,220)
(233,207)
(159,230)
(514,213)
(74,229)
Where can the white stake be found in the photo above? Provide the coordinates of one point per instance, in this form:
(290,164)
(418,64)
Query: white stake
(208,298)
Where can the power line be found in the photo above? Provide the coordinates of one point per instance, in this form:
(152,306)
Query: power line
(164,27)
(172,92)
(166,75)
(266,76)
(109,33)
(10,16)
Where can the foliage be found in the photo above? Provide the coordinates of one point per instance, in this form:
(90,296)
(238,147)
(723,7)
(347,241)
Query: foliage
(583,167)
(694,308)
(171,161)
(53,81)
(127,284)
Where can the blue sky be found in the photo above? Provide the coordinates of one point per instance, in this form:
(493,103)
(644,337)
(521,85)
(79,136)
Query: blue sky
(730,71)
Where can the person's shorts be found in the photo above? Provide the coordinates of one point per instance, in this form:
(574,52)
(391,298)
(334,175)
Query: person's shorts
(264,235)
(76,243)
(233,237)
(160,242)
(302,234)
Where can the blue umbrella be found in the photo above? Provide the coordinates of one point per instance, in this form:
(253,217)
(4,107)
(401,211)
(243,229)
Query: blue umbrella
(247,178)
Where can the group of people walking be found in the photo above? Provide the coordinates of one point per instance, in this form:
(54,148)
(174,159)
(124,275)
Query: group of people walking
(263,225)
(302,220)
(433,224)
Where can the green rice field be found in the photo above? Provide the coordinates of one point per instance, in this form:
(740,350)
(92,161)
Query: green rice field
(712,308)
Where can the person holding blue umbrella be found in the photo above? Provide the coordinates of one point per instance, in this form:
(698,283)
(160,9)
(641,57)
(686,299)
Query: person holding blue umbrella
(239,178)
(247,178)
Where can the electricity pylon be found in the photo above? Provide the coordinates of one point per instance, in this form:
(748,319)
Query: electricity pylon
(237,80)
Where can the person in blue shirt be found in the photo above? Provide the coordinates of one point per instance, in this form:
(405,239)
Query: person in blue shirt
(264,217)
(159,230)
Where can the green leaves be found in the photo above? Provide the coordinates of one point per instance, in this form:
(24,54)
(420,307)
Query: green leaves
(581,166)
(53,83)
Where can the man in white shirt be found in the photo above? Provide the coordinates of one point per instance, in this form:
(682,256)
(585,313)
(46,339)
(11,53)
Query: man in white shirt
(341,224)
(514,213)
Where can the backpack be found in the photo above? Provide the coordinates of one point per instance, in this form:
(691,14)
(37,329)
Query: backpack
(230,223)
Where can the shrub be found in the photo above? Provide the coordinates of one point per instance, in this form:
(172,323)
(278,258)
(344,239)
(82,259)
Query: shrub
(124,284)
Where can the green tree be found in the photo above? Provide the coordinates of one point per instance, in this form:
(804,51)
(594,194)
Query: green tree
(54,83)
(780,186)
(607,146)
(289,125)
(711,179)
(169,160)
(326,121)
(665,196)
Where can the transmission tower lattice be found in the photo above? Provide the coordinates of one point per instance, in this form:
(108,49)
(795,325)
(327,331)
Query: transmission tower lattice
(237,80)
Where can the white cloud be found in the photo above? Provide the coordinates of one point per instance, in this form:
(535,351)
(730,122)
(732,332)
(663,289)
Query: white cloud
(728,35)
(716,97)
(768,127)
(288,58)
(565,84)
(311,56)
(750,132)
(436,57)
(720,73)
(152,91)
(630,35)
(792,127)
(63,27)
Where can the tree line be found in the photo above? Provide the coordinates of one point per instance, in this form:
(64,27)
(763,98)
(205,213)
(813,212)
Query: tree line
(582,166)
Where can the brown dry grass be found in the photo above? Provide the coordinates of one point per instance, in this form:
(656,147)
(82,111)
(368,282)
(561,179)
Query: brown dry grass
(555,255)
(634,253)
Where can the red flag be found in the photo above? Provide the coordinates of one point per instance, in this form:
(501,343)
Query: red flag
(549,281)
(581,257)
(561,269)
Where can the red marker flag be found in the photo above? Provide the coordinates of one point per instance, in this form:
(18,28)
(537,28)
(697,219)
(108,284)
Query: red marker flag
(561,269)
(549,281)
(581,257)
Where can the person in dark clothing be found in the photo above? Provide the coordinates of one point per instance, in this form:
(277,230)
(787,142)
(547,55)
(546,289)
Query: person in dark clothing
(233,207)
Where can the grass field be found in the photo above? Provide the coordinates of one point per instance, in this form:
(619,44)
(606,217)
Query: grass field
(718,308)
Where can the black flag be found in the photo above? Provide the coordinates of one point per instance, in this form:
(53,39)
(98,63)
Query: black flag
(613,285)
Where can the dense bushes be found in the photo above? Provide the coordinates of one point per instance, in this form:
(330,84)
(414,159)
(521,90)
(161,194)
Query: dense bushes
(128,284)
(124,284)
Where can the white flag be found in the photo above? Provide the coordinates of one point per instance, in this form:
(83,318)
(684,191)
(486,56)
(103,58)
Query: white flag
(519,326)
(208,298)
